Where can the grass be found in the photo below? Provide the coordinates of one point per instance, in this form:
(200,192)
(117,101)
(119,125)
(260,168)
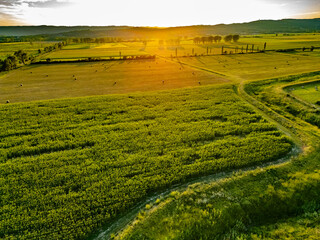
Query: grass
(308,92)
(239,207)
(256,66)
(305,226)
(283,42)
(79,51)
(58,80)
(67,167)
(30,48)
(71,166)
(186,47)
(245,206)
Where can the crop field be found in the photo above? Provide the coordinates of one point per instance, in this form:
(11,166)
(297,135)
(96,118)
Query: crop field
(283,41)
(256,66)
(49,81)
(184,48)
(187,47)
(278,202)
(30,48)
(78,163)
(80,51)
(84,143)
(84,79)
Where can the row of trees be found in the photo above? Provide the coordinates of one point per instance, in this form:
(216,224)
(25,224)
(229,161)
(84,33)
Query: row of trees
(57,46)
(13,61)
(216,39)
(20,57)
(94,40)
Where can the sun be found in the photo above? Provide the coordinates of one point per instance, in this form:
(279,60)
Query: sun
(165,13)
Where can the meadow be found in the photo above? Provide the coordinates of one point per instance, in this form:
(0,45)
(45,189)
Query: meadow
(65,80)
(308,91)
(51,81)
(86,50)
(256,66)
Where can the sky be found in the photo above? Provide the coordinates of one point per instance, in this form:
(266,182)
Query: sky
(160,13)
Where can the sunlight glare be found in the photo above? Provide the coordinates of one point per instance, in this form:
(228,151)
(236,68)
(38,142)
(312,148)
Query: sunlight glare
(156,13)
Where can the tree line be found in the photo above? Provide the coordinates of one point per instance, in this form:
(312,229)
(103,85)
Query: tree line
(216,39)
(20,57)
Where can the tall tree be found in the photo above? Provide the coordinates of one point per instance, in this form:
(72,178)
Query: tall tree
(217,38)
(228,38)
(235,38)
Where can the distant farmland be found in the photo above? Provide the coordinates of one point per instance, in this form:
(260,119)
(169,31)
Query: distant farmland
(84,79)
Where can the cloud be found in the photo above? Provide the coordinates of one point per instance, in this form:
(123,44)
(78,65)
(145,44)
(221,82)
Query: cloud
(20,12)
(34,3)
(48,4)
(9,3)
(9,20)
(315,14)
(150,12)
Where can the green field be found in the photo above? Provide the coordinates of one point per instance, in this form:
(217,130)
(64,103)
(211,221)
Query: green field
(84,79)
(84,143)
(282,41)
(78,51)
(30,48)
(277,202)
(256,66)
(50,81)
(308,92)
(81,162)
(185,47)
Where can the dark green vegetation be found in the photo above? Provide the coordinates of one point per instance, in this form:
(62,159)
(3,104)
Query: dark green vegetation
(70,166)
(261,204)
(256,27)
(31,48)
(305,226)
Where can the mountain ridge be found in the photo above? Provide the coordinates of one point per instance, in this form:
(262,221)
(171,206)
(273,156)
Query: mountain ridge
(254,27)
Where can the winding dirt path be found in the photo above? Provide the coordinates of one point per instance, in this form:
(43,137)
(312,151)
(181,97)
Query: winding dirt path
(281,122)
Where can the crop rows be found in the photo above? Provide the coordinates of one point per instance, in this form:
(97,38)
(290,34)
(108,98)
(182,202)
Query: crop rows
(68,167)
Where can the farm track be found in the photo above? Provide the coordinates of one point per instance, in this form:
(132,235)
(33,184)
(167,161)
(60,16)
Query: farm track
(122,221)
(280,121)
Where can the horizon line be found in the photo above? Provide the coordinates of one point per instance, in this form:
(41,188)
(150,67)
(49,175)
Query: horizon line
(158,26)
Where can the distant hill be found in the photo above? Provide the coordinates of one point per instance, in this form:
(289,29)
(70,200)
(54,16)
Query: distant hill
(256,27)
